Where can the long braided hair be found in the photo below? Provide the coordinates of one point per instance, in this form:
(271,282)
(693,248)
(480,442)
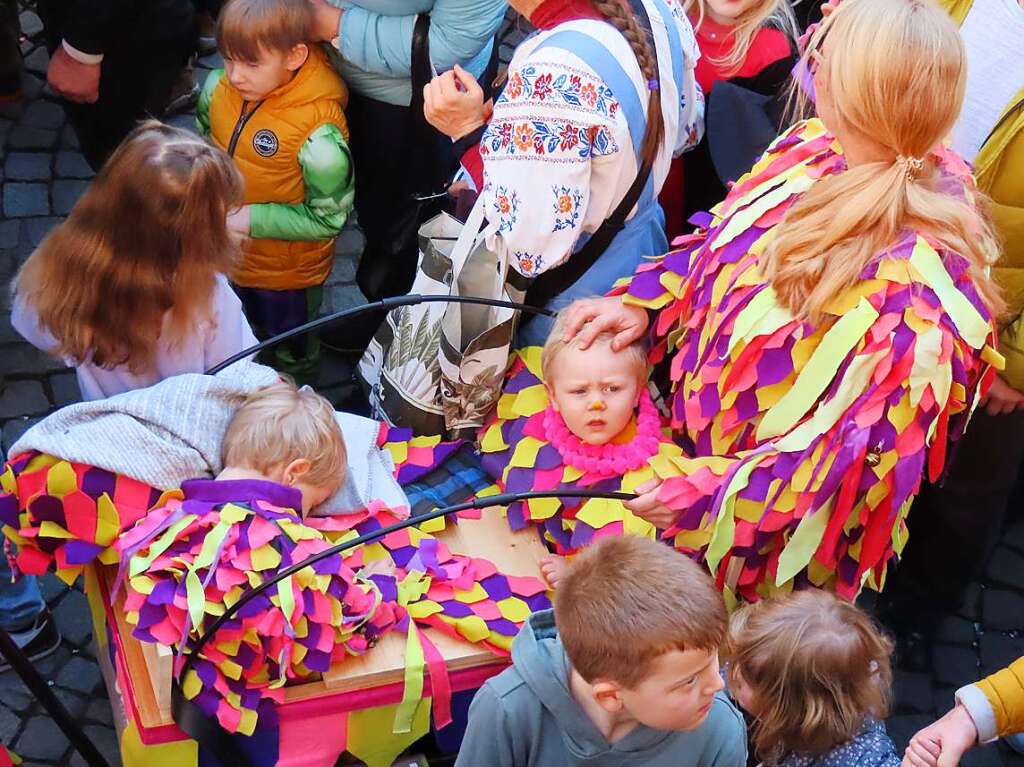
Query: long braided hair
(619,15)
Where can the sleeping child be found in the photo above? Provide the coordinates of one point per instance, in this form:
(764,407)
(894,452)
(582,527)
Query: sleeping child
(576,418)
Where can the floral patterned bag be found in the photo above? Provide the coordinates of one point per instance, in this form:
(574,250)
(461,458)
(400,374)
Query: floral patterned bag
(437,368)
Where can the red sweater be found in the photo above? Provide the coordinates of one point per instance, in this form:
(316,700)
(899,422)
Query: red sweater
(715,42)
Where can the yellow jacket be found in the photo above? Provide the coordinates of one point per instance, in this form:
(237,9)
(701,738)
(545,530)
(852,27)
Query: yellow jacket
(292,150)
(999,169)
(996,703)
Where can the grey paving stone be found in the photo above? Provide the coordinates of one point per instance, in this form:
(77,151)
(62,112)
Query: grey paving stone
(65,389)
(13,430)
(1002,609)
(52,588)
(99,711)
(956,630)
(68,139)
(51,665)
(75,704)
(341,297)
(66,194)
(74,621)
(36,229)
(999,650)
(37,61)
(105,740)
(25,200)
(73,165)
(954,665)
(971,608)
(79,675)
(27,166)
(41,739)
(8,334)
(1007,567)
(343,272)
(30,23)
(43,114)
(10,723)
(30,137)
(185,121)
(9,234)
(913,692)
(25,359)
(902,728)
(14,694)
(21,398)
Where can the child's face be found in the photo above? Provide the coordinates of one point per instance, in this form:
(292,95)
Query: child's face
(255,80)
(312,495)
(727,11)
(595,390)
(678,692)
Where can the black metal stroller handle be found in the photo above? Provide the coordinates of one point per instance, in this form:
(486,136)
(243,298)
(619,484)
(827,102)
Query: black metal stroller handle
(384,303)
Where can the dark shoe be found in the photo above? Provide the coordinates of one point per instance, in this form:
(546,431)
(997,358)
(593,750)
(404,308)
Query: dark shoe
(184,95)
(207,33)
(36,641)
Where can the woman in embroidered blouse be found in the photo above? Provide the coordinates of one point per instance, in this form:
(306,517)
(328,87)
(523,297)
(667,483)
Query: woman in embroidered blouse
(561,148)
(831,326)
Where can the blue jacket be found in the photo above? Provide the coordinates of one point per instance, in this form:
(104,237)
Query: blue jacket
(375,41)
(871,747)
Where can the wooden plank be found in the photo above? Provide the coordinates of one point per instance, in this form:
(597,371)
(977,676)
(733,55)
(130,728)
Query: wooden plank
(486,538)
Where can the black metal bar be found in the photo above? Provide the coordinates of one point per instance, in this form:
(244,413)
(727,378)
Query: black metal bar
(385,303)
(503,499)
(38,686)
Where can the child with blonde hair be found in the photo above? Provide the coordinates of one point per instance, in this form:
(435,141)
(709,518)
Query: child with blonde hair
(814,673)
(277,109)
(586,418)
(131,288)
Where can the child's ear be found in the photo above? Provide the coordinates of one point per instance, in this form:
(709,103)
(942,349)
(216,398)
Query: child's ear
(608,695)
(551,397)
(296,57)
(296,470)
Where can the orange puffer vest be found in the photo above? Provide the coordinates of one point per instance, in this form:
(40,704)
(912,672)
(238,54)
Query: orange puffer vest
(265,148)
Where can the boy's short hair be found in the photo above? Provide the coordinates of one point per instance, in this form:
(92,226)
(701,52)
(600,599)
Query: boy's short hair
(627,600)
(248,28)
(280,424)
(555,344)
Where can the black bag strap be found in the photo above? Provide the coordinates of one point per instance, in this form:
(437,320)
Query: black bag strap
(556,280)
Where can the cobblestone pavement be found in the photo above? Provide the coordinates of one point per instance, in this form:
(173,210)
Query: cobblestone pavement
(42,176)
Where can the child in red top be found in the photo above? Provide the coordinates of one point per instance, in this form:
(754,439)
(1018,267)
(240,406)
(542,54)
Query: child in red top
(750,44)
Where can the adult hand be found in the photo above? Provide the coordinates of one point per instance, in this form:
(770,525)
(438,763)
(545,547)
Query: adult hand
(240,220)
(955,734)
(1002,399)
(453,102)
(326,21)
(592,317)
(647,506)
(72,79)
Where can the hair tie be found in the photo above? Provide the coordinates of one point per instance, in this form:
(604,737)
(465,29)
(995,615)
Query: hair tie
(912,166)
(653,85)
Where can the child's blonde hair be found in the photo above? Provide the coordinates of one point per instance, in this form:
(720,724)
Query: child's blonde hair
(626,600)
(817,667)
(137,258)
(246,29)
(556,344)
(767,13)
(897,74)
(281,423)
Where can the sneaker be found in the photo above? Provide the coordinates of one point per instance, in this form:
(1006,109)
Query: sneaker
(207,33)
(36,641)
(184,95)
(1016,742)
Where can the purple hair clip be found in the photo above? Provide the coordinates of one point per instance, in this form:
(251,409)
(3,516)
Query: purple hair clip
(653,85)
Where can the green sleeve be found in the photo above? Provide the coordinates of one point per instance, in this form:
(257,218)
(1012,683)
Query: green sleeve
(205,96)
(329,178)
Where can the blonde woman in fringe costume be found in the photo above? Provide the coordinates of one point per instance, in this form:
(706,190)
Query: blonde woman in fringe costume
(830,328)
(588,99)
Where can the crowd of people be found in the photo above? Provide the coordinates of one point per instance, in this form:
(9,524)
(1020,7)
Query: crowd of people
(829,343)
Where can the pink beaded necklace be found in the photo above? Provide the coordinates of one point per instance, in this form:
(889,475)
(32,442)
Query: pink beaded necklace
(609,459)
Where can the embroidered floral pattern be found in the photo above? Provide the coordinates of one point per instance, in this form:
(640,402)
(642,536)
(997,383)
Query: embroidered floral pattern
(558,139)
(568,207)
(539,85)
(506,208)
(530,264)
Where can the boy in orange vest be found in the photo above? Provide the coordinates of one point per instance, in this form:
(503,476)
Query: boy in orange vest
(276,108)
